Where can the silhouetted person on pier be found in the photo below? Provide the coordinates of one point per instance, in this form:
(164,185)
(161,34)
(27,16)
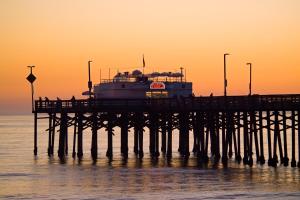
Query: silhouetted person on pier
(58,105)
(47,101)
(73,101)
(40,101)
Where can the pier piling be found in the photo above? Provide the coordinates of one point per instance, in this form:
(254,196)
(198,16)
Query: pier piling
(218,125)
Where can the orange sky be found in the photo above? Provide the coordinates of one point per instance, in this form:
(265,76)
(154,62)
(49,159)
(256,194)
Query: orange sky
(60,36)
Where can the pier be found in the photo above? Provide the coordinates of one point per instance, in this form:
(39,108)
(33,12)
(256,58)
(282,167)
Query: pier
(223,127)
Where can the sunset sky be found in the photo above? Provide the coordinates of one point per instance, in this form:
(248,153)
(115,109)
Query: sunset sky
(60,36)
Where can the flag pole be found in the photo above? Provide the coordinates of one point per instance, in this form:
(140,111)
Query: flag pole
(143,64)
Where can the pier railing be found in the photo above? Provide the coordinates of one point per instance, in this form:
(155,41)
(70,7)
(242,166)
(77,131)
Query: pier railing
(211,103)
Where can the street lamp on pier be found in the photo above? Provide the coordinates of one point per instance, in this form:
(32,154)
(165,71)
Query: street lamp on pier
(250,83)
(225,79)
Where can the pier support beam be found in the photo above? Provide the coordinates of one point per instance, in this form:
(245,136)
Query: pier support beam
(239,157)
(169,130)
(293,161)
(94,147)
(200,124)
(285,160)
(270,159)
(62,135)
(299,138)
(109,152)
(50,135)
(35,149)
(229,131)
(224,139)
(257,151)
(261,139)
(276,132)
(163,133)
(245,134)
(135,139)
(124,135)
(184,134)
(217,129)
(140,128)
(79,136)
(53,133)
(74,136)
(154,135)
(138,123)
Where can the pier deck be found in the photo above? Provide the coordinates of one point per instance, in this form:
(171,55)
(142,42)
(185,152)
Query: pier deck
(220,125)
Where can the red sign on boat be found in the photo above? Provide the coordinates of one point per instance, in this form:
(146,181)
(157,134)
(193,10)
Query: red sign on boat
(157,86)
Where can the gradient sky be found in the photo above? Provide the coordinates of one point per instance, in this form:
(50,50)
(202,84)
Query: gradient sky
(60,36)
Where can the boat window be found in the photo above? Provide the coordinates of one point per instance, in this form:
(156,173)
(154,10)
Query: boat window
(157,94)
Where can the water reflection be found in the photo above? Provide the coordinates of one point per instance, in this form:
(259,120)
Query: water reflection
(28,177)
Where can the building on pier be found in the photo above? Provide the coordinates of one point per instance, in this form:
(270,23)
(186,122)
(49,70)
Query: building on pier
(138,85)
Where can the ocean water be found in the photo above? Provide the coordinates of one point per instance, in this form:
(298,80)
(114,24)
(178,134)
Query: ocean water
(23,176)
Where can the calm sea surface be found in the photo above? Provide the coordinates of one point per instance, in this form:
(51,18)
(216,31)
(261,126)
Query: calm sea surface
(22,176)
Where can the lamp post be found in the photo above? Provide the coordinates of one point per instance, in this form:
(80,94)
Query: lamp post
(31,78)
(90,82)
(250,84)
(225,79)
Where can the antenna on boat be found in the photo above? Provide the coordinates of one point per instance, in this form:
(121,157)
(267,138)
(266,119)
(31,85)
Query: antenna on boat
(184,74)
(181,71)
(108,74)
(90,82)
(100,75)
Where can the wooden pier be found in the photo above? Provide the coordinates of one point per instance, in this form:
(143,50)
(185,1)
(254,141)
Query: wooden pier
(222,127)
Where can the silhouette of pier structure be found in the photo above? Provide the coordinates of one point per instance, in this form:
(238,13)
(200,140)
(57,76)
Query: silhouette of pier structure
(222,127)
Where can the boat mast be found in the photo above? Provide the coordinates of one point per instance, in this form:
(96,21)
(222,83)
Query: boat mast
(181,71)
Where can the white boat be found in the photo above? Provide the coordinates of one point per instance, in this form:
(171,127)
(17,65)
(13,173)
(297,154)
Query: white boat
(137,85)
